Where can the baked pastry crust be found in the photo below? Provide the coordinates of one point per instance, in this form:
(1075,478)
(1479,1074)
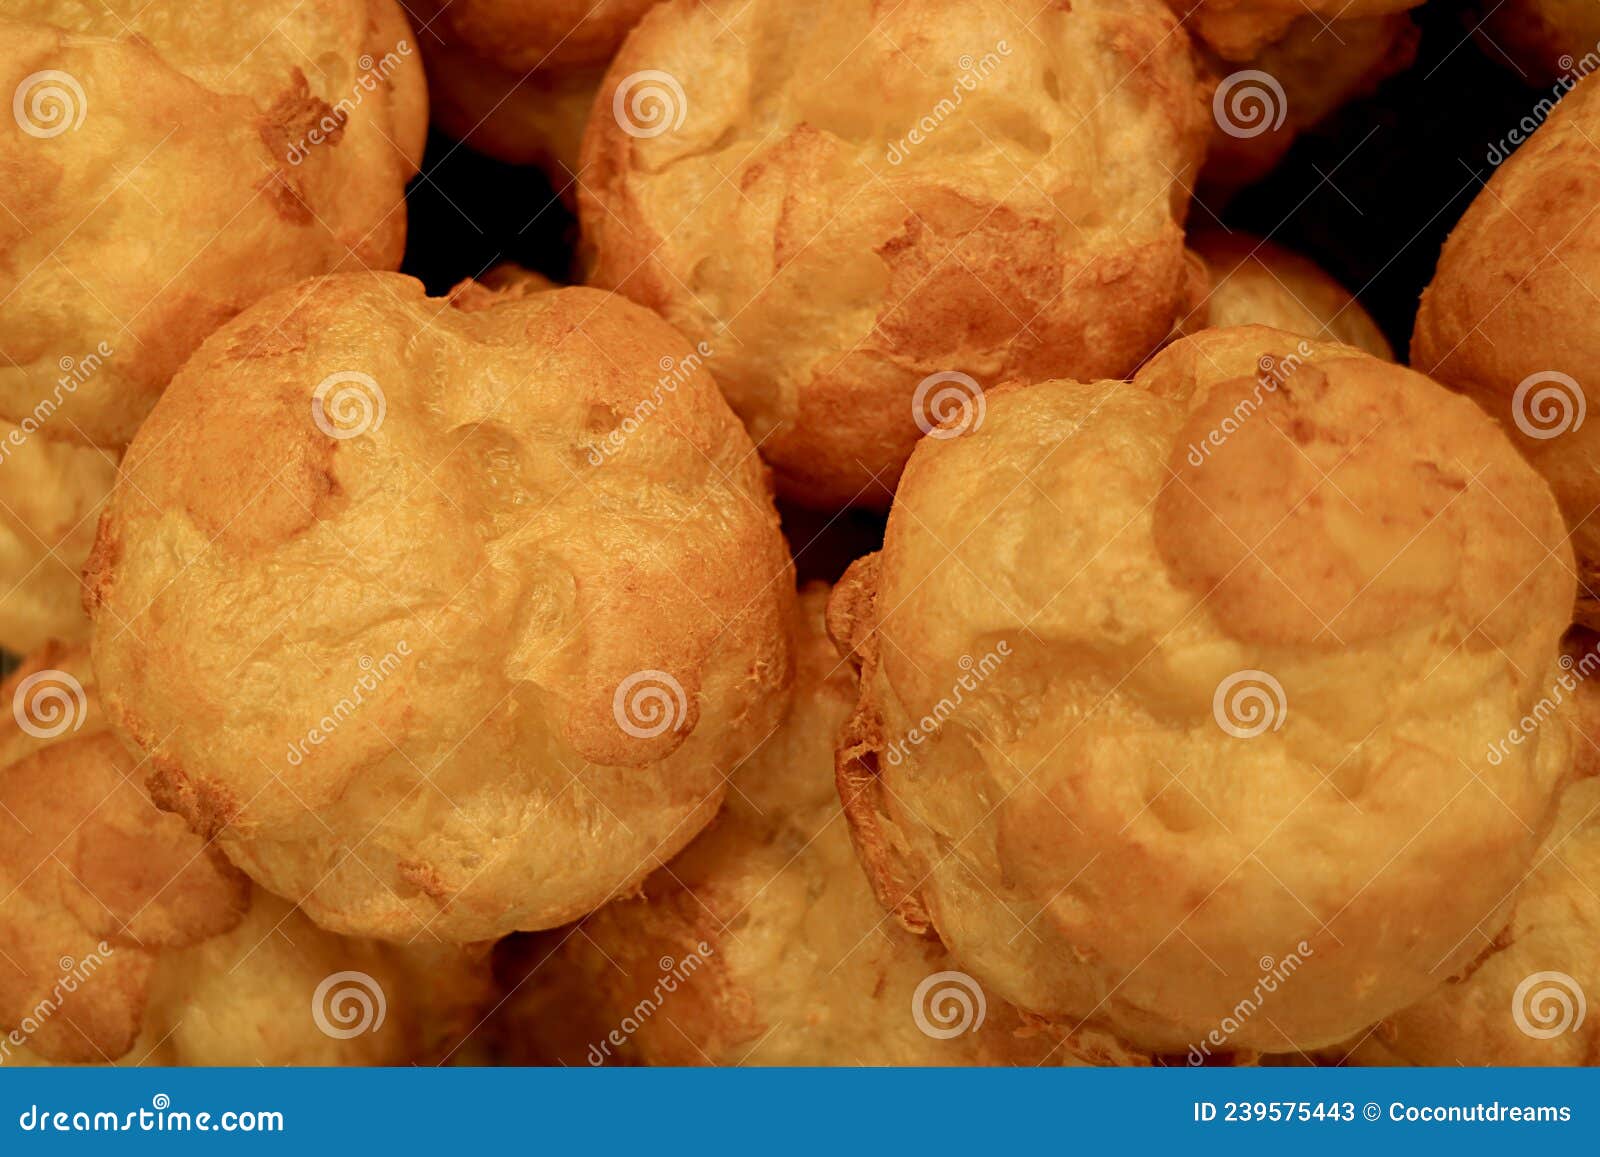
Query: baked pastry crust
(762,944)
(51,494)
(1256,282)
(1509,316)
(1544,40)
(179,160)
(981,188)
(502,729)
(1248,694)
(131,940)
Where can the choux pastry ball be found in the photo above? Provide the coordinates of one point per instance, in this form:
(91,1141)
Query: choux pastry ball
(868,214)
(1508,317)
(1257,282)
(762,944)
(1181,693)
(460,613)
(131,941)
(168,163)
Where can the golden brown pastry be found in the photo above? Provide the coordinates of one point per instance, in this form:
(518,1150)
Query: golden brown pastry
(1530,999)
(131,940)
(516,78)
(51,494)
(170,162)
(1255,282)
(1246,629)
(762,944)
(457,616)
(1544,40)
(1261,105)
(1241,29)
(870,215)
(1510,317)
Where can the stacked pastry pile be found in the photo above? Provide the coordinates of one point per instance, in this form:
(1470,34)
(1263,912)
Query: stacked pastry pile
(411,679)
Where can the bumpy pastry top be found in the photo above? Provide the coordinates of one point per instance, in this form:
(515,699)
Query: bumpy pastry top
(1509,317)
(50,499)
(299,123)
(844,201)
(444,618)
(762,943)
(1254,282)
(137,943)
(1241,29)
(1309,74)
(1246,629)
(1546,39)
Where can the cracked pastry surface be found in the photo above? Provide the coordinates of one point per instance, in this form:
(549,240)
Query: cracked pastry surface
(837,243)
(1236,696)
(762,944)
(131,940)
(1256,282)
(499,731)
(175,161)
(1509,316)
(51,494)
